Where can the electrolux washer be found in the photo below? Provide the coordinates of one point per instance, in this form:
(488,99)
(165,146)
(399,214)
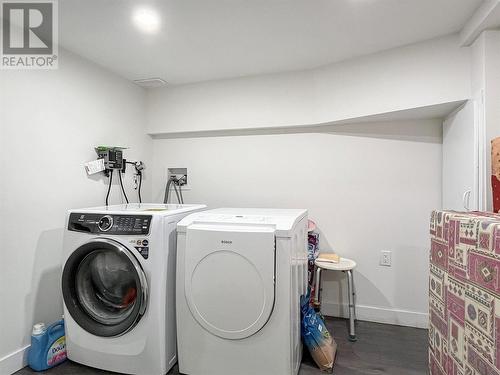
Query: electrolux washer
(118,286)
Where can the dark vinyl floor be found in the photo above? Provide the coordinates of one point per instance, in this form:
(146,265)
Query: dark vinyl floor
(380,349)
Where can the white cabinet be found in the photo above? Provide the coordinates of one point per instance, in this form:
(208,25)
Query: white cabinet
(460,159)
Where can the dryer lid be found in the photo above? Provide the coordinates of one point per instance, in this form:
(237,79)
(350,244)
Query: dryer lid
(282,220)
(229,278)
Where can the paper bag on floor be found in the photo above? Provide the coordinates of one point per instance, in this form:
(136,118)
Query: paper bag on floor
(324,355)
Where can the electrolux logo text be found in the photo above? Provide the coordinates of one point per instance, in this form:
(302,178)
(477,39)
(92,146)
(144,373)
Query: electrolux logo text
(29,34)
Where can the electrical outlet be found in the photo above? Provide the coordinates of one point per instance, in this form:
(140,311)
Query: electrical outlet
(386,258)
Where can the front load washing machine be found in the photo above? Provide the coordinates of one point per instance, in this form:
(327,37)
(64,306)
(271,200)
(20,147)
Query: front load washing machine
(240,275)
(118,286)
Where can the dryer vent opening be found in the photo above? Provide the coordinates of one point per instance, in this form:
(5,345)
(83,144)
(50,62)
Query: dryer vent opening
(150,83)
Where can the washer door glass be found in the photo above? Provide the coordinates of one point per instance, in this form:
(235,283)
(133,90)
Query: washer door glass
(106,286)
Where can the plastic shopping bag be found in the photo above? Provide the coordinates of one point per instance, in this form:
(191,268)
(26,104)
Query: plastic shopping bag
(316,337)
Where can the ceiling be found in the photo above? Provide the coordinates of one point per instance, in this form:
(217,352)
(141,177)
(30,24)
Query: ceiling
(203,40)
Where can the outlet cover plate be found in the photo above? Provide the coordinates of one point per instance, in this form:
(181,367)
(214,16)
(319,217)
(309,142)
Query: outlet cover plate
(386,258)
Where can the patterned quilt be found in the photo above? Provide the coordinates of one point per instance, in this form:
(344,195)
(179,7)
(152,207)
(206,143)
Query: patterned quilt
(464,298)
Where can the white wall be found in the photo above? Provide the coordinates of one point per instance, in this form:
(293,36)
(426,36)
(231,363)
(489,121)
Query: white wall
(478,83)
(492,85)
(422,74)
(486,91)
(50,121)
(384,179)
(370,187)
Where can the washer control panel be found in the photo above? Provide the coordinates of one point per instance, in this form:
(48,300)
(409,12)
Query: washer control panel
(109,224)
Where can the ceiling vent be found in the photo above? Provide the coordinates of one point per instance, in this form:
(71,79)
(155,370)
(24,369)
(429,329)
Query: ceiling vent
(150,82)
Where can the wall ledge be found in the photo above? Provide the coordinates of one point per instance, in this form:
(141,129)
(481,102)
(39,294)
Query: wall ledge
(428,112)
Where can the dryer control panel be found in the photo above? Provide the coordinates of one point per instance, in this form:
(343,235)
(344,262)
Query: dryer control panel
(109,223)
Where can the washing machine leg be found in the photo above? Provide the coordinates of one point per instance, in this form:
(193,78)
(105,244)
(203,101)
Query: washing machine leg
(352,309)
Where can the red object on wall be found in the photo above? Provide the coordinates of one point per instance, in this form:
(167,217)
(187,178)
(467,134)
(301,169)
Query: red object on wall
(495,188)
(495,173)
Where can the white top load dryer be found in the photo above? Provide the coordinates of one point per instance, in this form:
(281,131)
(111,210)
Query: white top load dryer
(240,275)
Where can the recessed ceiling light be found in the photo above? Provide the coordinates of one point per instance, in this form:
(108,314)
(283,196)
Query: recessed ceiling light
(147,20)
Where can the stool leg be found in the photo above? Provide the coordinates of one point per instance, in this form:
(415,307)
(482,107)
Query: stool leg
(354,295)
(318,285)
(350,282)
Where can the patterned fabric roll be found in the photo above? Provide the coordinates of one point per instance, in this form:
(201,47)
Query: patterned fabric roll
(464,295)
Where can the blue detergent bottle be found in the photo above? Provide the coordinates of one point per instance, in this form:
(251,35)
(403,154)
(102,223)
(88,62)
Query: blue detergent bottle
(48,346)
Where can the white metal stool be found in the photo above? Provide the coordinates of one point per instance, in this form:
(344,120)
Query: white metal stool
(345,265)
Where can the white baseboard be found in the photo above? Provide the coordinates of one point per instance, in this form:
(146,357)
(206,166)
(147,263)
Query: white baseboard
(378,315)
(14,361)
